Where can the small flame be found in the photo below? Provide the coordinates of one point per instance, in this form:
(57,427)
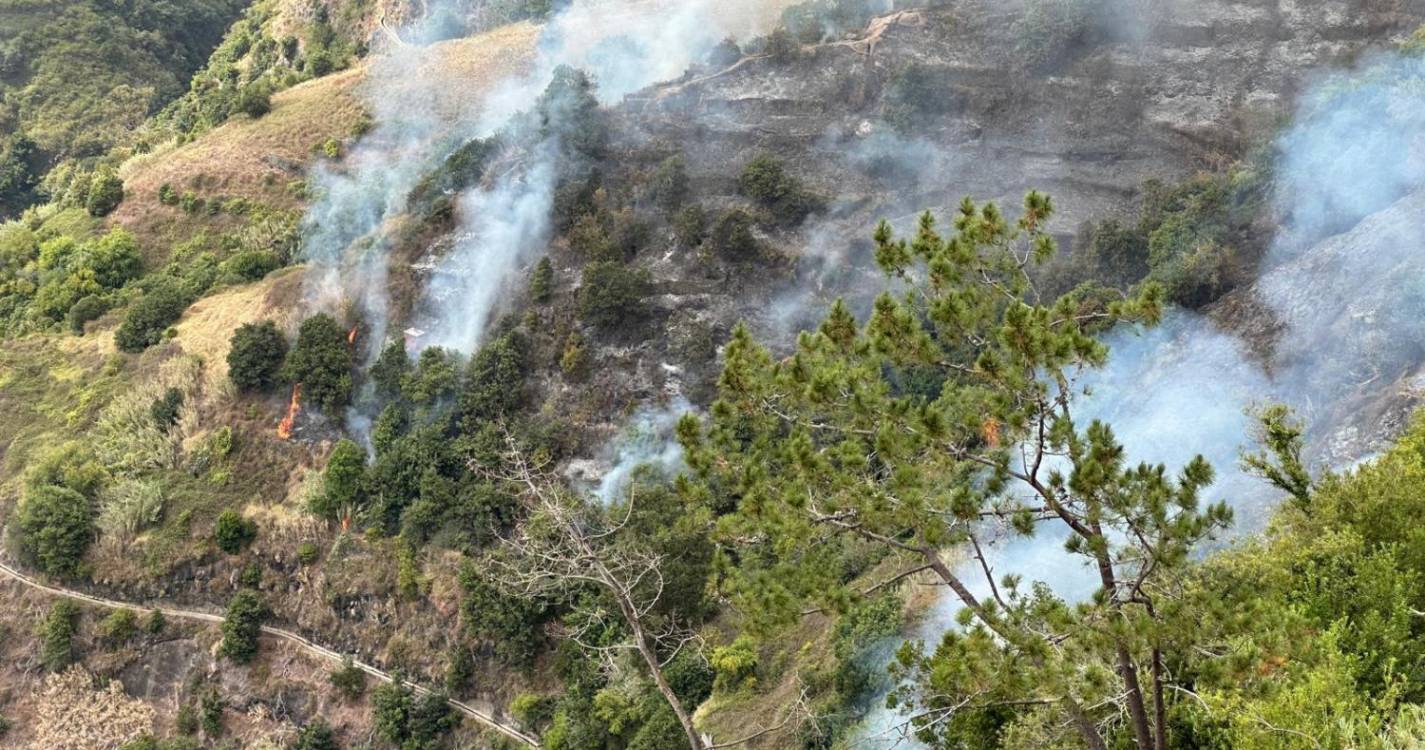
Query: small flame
(284,429)
(990,429)
(351,337)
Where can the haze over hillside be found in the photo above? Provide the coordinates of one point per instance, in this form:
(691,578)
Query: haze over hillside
(643,375)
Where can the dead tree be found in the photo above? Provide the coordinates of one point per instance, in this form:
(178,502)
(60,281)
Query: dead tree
(564,545)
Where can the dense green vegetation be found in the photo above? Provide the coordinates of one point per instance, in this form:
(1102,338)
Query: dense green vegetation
(80,76)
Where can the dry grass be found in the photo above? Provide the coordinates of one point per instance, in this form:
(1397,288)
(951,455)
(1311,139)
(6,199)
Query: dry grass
(71,714)
(243,158)
(207,326)
(259,159)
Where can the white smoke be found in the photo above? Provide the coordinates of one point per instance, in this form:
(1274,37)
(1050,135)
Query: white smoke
(1348,306)
(647,442)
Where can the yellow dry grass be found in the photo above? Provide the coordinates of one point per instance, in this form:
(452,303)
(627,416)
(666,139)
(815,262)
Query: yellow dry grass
(207,326)
(243,158)
(71,714)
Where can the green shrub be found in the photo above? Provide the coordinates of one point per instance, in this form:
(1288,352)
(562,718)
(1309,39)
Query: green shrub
(119,627)
(87,309)
(190,202)
(389,371)
(250,265)
(459,669)
(349,681)
(574,362)
(670,187)
(404,719)
(317,735)
(612,295)
(145,323)
(115,259)
(541,281)
(164,409)
(106,192)
(241,627)
(256,353)
(232,532)
(533,710)
(250,576)
(308,553)
(156,622)
(735,665)
(732,238)
(343,478)
(726,53)
(1050,30)
(56,633)
(509,627)
(765,179)
(782,47)
(494,382)
(167,195)
(322,363)
(210,708)
(254,100)
(690,226)
(54,528)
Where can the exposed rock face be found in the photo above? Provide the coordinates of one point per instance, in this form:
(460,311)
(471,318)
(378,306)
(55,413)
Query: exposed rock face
(1340,321)
(1151,89)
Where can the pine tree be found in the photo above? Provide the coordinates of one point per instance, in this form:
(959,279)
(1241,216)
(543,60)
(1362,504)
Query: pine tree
(831,441)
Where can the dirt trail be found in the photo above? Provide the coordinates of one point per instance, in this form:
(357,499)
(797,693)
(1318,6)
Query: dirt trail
(479,716)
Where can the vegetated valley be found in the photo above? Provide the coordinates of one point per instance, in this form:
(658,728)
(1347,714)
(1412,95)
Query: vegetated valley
(767,374)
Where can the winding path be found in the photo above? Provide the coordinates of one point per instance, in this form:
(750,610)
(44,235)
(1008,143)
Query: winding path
(479,716)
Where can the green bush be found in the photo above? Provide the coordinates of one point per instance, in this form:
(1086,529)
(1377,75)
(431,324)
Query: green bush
(106,192)
(735,665)
(54,528)
(164,409)
(232,532)
(612,295)
(732,238)
(782,47)
(250,265)
(1050,30)
(119,627)
(533,710)
(87,309)
(389,371)
(508,627)
(345,473)
(317,735)
(765,179)
(690,226)
(494,382)
(322,363)
(670,187)
(56,633)
(256,353)
(146,322)
(349,681)
(254,100)
(404,719)
(167,195)
(541,281)
(308,553)
(241,627)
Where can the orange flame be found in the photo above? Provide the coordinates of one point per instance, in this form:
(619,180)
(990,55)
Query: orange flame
(990,429)
(351,337)
(284,429)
